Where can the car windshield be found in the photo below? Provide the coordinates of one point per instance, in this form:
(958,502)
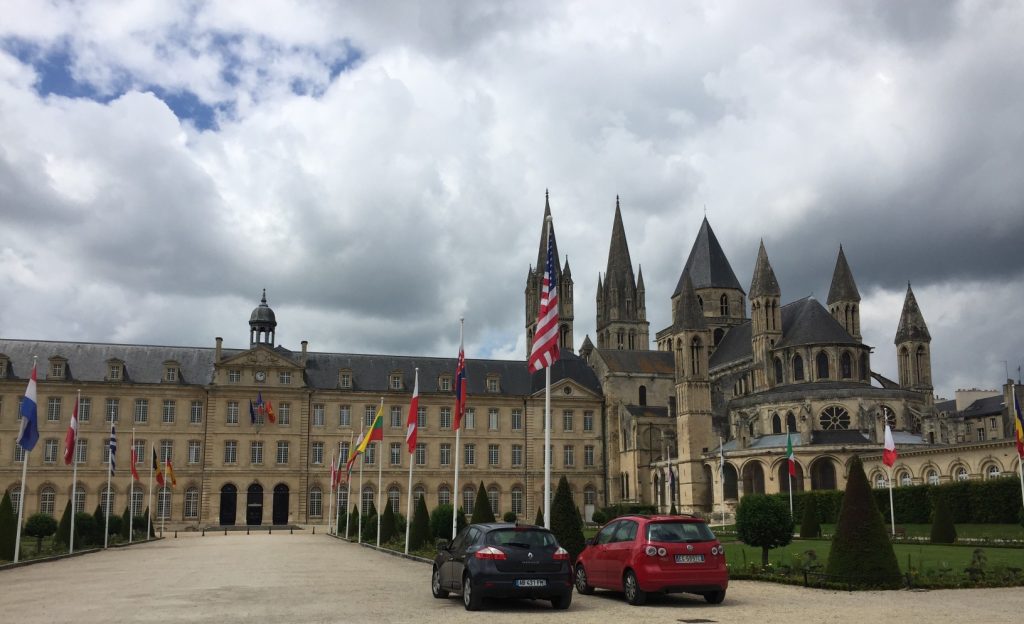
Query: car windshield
(679,532)
(521,538)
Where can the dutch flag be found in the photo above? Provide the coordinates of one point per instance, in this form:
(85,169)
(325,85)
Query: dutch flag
(29,433)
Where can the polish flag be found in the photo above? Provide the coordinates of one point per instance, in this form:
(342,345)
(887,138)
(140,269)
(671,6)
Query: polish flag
(889,454)
(70,439)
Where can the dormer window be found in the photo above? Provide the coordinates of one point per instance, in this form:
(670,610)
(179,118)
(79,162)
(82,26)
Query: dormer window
(57,367)
(171,371)
(395,381)
(3,367)
(115,370)
(445,383)
(345,379)
(492,383)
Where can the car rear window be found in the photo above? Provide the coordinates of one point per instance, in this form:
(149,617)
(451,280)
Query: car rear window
(523,538)
(679,532)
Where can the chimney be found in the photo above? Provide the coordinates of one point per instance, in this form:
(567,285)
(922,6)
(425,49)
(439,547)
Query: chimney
(305,345)
(220,341)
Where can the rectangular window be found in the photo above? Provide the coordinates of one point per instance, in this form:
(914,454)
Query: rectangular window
(231,452)
(444,496)
(446,454)
(114,372)
(345,380)
(421,454)
(492,384)
(84,410)
(57,370)
(588,455)
(517,420)
(396,453)
(492,454)
(234,376)
(492,419)
(111,412)
(370,457)
(344,449)
(256,452)
(232,412)
(567,420)
(317,456)
(53,409)
(469,419)
(396,416)
(284,378)
(318,414)
(517,454)
(517,501)
(194,451)
(981,434)
(344,416)
(170,407)
(421,417)
(106,451)
(368,414)
(284,413)
(282,452)
(396,382)
(141,411)
(195,413)
(81,450)
(171,374)
(588,421)
(569,455)
(140,452)
(469,452)
(166,451)
(446,384)
(19,455)
(446,418)
(991,423)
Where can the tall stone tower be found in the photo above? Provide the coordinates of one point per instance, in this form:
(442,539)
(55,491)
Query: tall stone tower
(535,281)
(691,338)
(766,319)
(913,347)
(621,300)
(844,298)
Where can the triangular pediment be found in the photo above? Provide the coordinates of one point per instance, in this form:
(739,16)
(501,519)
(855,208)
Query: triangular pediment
(576,391)
(260,355)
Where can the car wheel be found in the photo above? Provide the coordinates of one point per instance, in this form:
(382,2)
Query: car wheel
(435,584)
(715,597)
(562,602)
(581,581)
(634,595)
(470,598)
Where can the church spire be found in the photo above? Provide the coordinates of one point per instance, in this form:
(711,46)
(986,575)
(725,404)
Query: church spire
(764,283)
(621,306)
(563,279)
(912,326)
(688,314)
(844,298)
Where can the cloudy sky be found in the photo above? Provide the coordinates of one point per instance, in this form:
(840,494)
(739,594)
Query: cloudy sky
(380,168)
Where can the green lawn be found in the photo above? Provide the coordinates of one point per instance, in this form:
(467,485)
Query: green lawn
(968,531)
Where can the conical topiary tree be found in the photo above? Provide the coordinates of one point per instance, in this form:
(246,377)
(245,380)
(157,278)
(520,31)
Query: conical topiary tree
(441,522)
(419,532)
(539,520)
(64,528)
(943,529)
(565,520)
(148,523)
(85,529)
(99,525)
(482,507)
(8,528)
(126,523)
(810,526)
(370,523)
(460,521)
(387,523)
(861,550)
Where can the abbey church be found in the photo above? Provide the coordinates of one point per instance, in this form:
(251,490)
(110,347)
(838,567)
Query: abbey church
(695,418)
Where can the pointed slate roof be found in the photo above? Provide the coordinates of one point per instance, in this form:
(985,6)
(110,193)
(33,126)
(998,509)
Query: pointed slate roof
(764,283)
(843,287)
(619,272)
(912,325)
(688,314)
(707,265)
(542,251)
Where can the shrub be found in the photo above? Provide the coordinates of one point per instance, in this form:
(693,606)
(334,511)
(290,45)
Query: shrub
(943,529)
(509,516)
(566,524)
(764,521)
(419,532)
(8,528)
(98,525)
(861,550)
(460,520)
(441,522)
(387,524)
(64,528)
(809,525)
(370,523)
(482,507)
(85,529)
(126,523)
(599,517)
(40,525)
(115,525)
(539,520)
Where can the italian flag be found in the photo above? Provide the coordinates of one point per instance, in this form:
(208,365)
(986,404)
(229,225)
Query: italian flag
(790,456)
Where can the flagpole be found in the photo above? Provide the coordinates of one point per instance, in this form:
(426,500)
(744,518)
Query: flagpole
(348,499)
(892,510)
(163,495)
(547,442)
(131,489)
(721,475)
(74,479)
(359,537)
(789,475)
(24,477)
(110,463)
(149,501)
(455,492)
(412,460)
(380,473)
(329,509)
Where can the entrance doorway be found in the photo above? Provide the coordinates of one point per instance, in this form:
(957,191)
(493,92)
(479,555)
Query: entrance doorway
(280,514)
(254,505)
(228,502)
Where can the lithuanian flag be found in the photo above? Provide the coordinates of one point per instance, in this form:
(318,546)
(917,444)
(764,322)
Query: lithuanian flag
(376,431)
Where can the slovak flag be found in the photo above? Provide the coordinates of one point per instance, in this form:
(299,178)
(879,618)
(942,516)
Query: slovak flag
(889,454)
(71,437)
(28,435)
(414,408)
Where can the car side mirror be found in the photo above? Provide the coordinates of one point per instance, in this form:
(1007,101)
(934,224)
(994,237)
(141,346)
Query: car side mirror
(591,541)
(443,545)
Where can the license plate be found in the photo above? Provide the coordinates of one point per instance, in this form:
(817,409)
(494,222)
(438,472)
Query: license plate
(531,583)
(689,558)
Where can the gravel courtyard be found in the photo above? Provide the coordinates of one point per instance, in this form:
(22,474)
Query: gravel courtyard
(315,578)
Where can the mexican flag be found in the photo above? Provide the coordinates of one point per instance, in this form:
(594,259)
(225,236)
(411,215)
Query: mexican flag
(790,456)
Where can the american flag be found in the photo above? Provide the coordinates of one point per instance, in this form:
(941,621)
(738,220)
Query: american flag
(545,337)
(113,449)
(460,389)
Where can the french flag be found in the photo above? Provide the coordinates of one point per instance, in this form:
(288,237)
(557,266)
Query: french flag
(29,433)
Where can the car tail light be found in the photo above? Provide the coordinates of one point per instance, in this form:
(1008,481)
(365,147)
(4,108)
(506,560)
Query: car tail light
(650,551)
(662,552)
(560,555)
(490,552)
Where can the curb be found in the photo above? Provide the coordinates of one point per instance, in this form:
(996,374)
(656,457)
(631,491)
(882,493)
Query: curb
(386,551)
(78,553)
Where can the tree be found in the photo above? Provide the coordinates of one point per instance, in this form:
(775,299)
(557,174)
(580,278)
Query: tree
(8,528)
(441,522)
(861,550)
(508,516)
(566,524)
(460,520)
(539,520)
(943,529)
(370,523)
(763,521)
(85,528)
(673,511)
(40,525)
(99,525)
(64,528)
(126,523)
(482,507)
(419,532)
(387,523)
(810,526)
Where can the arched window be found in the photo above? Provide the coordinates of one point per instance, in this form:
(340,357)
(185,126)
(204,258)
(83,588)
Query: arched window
(822,365)
(903,478)
(880,482)
(790,422)
(798,368)
(366,501)
(778,370)
(418,492)
(393,499)
(723,306)
(444,495)
(846,365)
(316,501)
(47,498)
(700,303)
(776,424)
(643,395)
(493,496)
(79,505)
(993,472)
(138,497)
(961,473)
(834,417)
(919,366)
(192,502)
(915,424)
(904,367)
(695,355)
(933,477)
(107,500)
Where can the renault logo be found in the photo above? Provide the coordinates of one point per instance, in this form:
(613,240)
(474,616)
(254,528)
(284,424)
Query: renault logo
(529,555)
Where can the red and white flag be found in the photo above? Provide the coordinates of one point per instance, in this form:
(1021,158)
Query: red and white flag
(545,336)
(414,408)
(135,458)
(889,454)
(70,439)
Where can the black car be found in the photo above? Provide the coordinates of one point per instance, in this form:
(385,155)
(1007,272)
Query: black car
(503,560)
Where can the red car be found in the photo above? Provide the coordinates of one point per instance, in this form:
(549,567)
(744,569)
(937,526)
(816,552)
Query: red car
(641,554)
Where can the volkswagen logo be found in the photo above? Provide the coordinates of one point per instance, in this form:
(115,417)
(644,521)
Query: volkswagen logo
(529,555)
(689,547)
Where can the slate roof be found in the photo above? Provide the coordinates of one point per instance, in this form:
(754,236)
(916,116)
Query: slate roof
(707,264)
(946,406)
(619,272)
(687,313)
(912,325)
(839,436)
(843,287)
(823,438)
(542,251)
(764,284)
(735,345)
(988,406)
(618,360)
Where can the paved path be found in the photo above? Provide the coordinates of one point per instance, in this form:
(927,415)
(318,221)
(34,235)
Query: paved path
(286,578)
